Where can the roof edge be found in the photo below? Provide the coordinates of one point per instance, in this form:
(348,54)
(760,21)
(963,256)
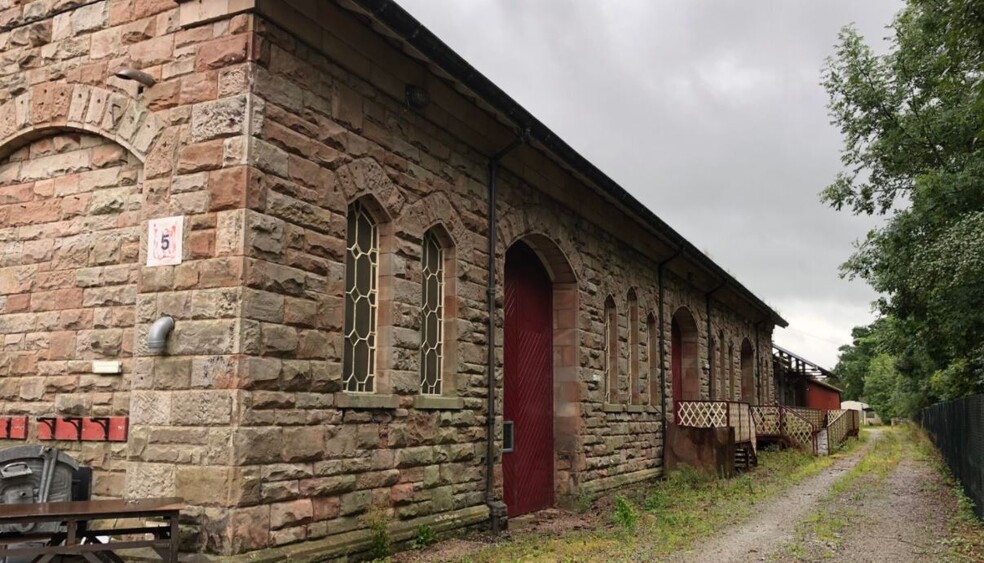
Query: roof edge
(398,20)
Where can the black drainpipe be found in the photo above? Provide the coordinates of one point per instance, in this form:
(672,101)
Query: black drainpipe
(710,338)
(497,509)
(662,339)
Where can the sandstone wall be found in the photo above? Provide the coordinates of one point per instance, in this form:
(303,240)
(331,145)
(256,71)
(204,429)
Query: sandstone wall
(87,159)
(69,243)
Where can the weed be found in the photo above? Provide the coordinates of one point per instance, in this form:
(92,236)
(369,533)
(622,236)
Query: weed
(625,514)
(378,524)
(583,503)
(424,537)
(656,502)
(669,514)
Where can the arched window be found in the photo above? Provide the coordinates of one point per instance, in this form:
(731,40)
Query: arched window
(731,371)
(361,296)
(747,363)
(655,393)
(635,377)
(432,315)
(722,372)
(611,351)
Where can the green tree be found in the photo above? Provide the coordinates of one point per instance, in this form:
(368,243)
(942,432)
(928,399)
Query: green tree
(913,126)
(881,387)
(854,360)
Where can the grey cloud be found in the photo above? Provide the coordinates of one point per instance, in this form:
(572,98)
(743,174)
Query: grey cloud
(709,112)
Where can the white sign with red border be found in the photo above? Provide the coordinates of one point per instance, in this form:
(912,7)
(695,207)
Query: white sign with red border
(164,241)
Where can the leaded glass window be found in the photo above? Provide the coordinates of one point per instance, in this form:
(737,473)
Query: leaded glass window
(611,351)
(362,257)
(432,311)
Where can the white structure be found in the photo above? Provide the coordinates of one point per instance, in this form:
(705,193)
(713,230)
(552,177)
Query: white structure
(867,414)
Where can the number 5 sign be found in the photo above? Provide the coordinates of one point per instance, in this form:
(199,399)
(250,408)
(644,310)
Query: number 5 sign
(164,241)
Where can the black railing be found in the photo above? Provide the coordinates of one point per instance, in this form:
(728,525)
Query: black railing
(957,429)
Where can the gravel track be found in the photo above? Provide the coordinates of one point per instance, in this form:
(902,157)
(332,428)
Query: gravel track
(775,523)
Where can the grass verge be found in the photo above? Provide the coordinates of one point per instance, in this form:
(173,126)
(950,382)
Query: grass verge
(668,515)
(966,533)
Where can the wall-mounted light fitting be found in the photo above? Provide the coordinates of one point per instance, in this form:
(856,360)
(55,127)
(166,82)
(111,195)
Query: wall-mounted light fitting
(417,97)
(145,80)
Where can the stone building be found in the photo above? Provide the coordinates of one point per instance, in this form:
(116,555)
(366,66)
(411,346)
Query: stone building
(330,166)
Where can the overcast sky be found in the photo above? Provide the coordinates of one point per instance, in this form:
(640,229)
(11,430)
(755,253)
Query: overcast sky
(710,113)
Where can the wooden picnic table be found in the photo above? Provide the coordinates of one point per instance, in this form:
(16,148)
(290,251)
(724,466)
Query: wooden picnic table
(73,514)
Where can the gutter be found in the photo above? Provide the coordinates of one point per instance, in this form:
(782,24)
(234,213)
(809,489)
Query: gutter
(400,22)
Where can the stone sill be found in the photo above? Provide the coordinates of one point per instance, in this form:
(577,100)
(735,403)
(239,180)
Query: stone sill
(437,402)
(366,401)
(612,407)
(635,408)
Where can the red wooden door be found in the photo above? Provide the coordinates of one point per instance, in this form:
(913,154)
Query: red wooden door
(676,365)
(528,470)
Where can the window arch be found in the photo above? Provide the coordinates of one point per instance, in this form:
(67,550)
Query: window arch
(731,371)
(361,300)
(655,393)
(611,350)
(635,376)
(722,369)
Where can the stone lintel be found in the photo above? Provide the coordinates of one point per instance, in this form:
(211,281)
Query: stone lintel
(366,401)
(435,402)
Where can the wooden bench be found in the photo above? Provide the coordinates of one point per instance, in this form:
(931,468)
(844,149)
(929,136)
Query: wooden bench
(76,539)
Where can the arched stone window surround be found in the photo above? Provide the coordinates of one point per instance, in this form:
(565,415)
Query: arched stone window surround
(635,375)
(449,317)
(382,351)
(652,333)
(732,383)
(611,351)
(747,364)
(721,368)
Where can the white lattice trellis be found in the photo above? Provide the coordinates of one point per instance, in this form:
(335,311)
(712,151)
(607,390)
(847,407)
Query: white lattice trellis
(837,428)
(814,416)
(766,420)
(799,430)
(702,414)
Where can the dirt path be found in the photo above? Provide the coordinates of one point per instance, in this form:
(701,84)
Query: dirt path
(899,514)
(901,520)
(776,521)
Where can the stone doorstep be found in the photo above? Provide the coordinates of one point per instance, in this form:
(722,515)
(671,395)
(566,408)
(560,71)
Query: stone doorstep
(346,544)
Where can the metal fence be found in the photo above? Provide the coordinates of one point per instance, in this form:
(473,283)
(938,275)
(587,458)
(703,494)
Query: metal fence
(957,429)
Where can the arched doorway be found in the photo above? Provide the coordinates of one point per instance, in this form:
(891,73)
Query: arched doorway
(683,358)
(747,372)
(539,379)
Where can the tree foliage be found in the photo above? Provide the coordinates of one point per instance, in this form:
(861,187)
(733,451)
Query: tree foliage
(913,127)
